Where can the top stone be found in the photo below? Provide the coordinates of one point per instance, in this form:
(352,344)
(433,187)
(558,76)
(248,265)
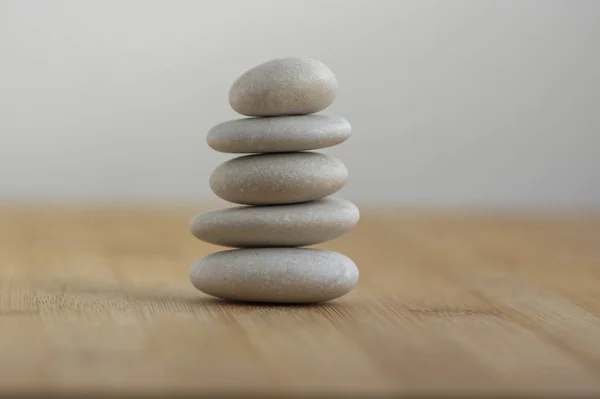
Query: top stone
(284,86)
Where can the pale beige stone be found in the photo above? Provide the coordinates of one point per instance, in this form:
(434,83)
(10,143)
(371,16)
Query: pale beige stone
(294,225)
(272,179)
(284,86)
(276,275)
(278,134)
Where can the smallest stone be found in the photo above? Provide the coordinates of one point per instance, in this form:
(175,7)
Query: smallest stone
(284,86)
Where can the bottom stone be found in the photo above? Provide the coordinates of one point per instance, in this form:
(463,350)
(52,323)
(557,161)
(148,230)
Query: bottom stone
(276,275)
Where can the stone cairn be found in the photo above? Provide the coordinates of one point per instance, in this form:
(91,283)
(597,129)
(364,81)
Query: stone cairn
(284,190)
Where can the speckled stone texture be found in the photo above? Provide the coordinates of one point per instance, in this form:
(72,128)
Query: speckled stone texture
(295,225)
(272,179)
(276,275)
(279,134)
(286,189)
(284,86)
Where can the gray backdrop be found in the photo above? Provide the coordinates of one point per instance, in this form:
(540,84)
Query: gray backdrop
(487,103)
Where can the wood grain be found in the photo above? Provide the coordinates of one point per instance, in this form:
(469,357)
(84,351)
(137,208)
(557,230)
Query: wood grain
(98,300)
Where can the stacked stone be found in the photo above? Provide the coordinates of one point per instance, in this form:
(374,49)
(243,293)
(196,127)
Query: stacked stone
(284,189)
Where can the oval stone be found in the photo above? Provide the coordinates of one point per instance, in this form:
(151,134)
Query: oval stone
(294,225)
(273,179)
(284,86)
(279,134)
(276,275)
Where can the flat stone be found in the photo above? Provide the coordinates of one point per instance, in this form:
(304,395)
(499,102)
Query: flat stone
(279,134)
(272,179)
(276,275)
(294,225)
(284,86)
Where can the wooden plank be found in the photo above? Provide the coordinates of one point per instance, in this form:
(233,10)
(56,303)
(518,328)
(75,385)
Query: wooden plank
(98,300)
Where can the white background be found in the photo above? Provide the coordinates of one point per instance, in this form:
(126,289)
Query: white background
(453,103)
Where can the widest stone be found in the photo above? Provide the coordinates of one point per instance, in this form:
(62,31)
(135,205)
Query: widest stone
(294,225)
(284,86)
(276,275)
(272,179)
(278,134)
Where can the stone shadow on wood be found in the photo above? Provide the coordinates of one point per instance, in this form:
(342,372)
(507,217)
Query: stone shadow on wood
(227,303)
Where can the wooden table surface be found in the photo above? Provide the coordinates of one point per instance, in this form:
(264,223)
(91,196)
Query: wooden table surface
(98,300)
